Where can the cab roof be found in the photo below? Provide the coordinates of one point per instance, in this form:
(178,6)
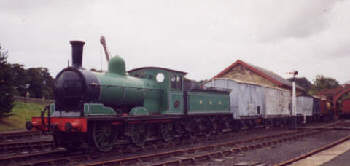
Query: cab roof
(157,68)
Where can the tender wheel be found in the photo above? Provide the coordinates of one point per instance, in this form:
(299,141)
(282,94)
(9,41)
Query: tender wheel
(167,131)
(179,129)
(102,135)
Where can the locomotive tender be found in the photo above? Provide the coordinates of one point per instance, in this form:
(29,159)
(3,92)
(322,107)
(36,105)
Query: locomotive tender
(104,110)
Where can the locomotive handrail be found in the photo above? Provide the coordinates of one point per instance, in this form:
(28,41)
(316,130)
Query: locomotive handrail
(129,87)
(43,118)
(48,118)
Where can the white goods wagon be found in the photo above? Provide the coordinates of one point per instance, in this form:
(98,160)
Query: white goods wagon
(246,100)
(305,105)
(277,103)
(251,101)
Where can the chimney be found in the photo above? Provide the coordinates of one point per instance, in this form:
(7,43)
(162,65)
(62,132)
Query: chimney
(77,53)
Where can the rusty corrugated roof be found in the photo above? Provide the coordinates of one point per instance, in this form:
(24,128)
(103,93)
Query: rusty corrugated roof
(331,92)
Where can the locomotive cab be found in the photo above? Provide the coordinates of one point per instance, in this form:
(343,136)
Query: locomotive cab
(171,84)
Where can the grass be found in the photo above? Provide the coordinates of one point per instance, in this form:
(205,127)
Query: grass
(21,112)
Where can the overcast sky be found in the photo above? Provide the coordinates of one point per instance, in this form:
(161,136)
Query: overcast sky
(201,37)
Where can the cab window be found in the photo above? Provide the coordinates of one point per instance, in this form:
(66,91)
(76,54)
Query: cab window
(173,81)
(176,82)
(179,82)
(160,77)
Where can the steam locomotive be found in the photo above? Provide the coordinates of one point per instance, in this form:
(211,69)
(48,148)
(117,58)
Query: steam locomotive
(103,110)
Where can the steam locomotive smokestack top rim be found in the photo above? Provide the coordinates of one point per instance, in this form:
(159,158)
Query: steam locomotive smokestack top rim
(77,53)
(77,43)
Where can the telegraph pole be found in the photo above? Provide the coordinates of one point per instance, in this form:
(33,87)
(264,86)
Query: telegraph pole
(294,103)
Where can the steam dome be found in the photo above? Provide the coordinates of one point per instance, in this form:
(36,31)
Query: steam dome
(117,65)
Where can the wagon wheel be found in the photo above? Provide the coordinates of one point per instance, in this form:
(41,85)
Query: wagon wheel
(214,125)
(102,135)
(205,127)
(201,123)
(167,131)
(236,125)
(228,123)
(251,124)
(138,134)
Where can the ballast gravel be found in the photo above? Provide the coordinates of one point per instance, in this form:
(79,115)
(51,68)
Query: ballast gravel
(280,152)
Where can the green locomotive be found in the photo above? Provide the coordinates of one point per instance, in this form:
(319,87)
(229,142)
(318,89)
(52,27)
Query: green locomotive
(104,110)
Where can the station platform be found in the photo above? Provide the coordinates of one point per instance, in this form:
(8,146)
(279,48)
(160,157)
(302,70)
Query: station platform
(341,160)
(338,155)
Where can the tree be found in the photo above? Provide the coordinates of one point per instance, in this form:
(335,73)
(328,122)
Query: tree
(40,83)
(48,84)
(20,79)
(321,82)
(302,82)
(6,85)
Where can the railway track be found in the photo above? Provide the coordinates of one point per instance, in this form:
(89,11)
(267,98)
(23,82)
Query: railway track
(27,157)
(23,145)
(20,142)
(45,155)
(16,147)
(16,135)
(216,150)
(60,159)
(202,153)
(66,158)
